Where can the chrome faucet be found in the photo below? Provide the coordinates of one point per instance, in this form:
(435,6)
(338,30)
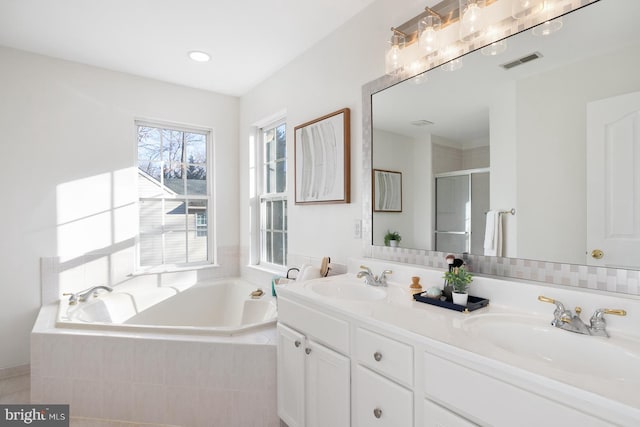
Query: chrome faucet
(371,279)
(83,295)
(564,319)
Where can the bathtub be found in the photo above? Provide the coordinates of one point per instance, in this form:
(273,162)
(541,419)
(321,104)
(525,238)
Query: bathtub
(223,307)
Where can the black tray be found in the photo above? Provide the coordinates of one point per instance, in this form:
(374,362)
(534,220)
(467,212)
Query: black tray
(473,303)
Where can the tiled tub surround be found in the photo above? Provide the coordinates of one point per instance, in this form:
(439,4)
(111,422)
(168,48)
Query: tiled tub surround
(186,380)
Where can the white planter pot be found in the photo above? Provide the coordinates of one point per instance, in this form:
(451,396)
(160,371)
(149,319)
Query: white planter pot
(393,243)
(460,298)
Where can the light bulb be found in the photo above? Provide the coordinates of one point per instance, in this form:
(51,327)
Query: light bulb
(393,57)
(428,33)
(472,20)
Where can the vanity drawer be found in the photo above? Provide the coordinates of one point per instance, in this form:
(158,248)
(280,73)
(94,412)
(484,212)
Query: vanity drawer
(476,396)
(381,402)
(385,355)
(327,329)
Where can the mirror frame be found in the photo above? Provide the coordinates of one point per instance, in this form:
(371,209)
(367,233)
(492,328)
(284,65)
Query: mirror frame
(574,275)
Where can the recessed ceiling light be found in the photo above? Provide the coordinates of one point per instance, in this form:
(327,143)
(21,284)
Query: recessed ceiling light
(199,56)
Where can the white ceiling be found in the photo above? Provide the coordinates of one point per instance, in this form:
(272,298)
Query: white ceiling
(248,39)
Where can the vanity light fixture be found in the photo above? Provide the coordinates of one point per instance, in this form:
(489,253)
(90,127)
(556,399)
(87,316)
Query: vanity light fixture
(393,57)
(199,56)
(450,56)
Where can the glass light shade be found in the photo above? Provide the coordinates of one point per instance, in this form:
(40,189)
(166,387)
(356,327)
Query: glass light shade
(547,27)
(495,48)
(524,8)
(393,56)
(471,19)
(428,33)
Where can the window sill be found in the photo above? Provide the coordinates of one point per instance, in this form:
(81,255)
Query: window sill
(274,270)
(173,269)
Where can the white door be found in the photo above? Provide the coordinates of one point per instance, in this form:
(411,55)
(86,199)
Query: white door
(328,387)
(290,367)
(613,181)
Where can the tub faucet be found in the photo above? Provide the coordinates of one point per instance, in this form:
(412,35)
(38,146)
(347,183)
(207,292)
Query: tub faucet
(564,319)
(371,279)
(83,295)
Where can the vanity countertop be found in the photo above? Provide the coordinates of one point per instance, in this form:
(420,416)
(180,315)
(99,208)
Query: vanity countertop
(512,336)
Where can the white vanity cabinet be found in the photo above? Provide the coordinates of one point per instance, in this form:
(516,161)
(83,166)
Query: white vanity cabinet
(313,380)
(437,416)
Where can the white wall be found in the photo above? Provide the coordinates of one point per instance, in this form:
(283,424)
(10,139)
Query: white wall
(68,146)
(326,78)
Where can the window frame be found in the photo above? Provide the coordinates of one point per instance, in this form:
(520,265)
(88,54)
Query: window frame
(263,196)
(208,197)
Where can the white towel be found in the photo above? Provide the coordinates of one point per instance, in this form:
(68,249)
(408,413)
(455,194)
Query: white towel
(493,234)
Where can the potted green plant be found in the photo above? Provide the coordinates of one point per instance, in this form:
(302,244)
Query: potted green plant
(392,238)
(460,279)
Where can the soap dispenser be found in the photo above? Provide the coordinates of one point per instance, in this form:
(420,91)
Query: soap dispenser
(415,287)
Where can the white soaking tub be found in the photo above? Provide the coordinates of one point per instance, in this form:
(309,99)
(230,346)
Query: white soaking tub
(223,307)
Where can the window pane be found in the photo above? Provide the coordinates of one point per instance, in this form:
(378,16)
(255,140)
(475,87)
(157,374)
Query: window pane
(281,177)
(281,141)
(270,177)
(196,145)
(149,143)
(197,179)
(269,141)
(175,247)
(278,216)
(150,250)
(175,215)
(197,247)
(172,146)
(268,247)
(268,215)
(149,181)
(278,248)
(150,216)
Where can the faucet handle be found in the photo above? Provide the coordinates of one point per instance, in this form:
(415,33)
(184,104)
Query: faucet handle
(559,305)
(368,270)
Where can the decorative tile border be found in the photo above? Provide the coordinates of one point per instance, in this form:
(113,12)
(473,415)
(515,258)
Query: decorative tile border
(578,276)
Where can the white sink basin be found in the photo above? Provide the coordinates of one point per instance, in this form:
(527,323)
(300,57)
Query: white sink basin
(348,290)
(531,337)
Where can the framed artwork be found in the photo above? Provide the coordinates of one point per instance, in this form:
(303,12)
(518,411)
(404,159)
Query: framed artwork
(322,159)
(387,191)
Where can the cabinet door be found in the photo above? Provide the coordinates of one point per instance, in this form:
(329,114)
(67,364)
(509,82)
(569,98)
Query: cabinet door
(436,416)
(291,359)
(381,402)
(328,386)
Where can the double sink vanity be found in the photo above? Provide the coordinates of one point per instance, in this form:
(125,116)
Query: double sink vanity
(354,354)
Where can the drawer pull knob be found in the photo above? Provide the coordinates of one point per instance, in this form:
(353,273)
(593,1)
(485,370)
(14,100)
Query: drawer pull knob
(377,412)
(377,356)
(307,350)
(297,343)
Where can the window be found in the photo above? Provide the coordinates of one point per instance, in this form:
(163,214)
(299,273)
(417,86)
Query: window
(173,195)
(273,199)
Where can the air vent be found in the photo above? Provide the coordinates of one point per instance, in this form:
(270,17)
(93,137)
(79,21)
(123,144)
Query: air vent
(523,60)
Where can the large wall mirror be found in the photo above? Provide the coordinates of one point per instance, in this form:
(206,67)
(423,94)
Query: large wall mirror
(550,128)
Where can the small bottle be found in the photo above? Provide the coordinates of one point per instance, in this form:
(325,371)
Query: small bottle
(415,287)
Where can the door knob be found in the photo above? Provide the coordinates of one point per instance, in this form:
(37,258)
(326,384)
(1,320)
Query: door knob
(597,254)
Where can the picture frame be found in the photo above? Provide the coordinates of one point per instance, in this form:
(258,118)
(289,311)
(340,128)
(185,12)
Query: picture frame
(387,191)
(322,159)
